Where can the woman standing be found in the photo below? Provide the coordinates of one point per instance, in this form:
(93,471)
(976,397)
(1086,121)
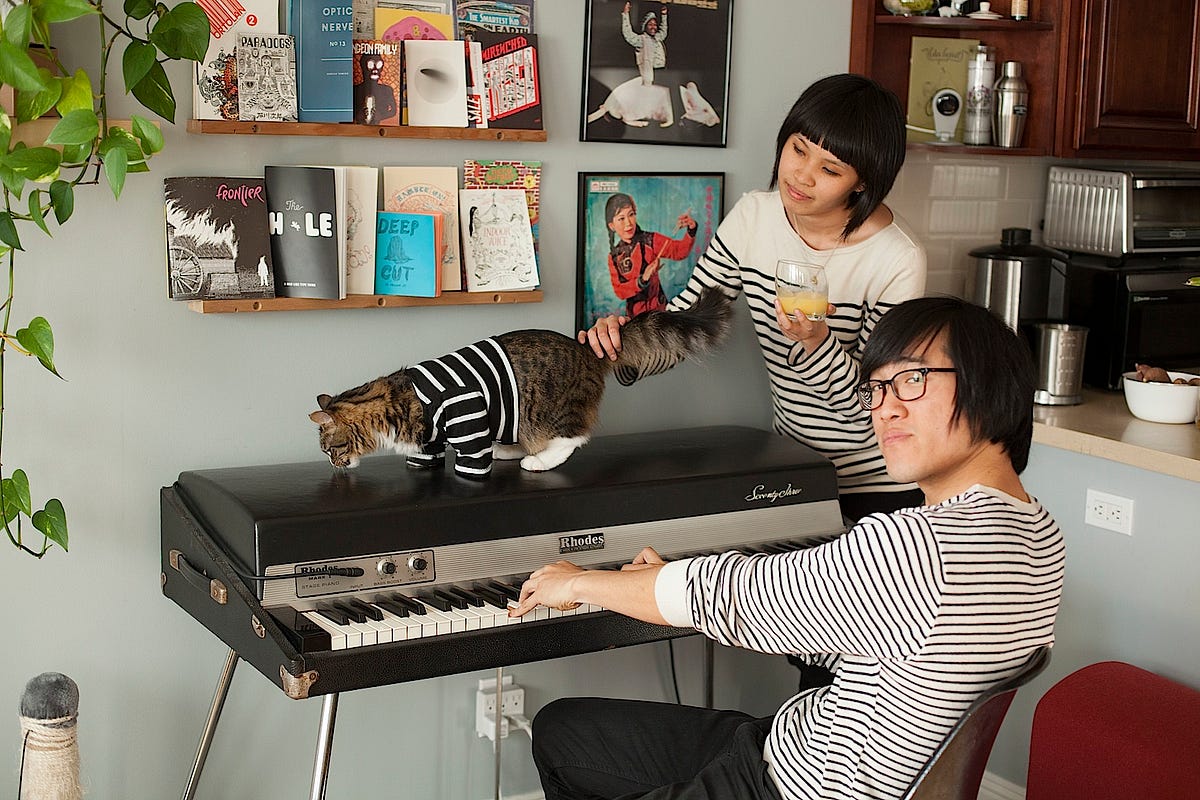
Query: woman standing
(837,154)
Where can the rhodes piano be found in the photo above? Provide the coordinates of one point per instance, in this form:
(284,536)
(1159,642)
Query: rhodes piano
(385,574)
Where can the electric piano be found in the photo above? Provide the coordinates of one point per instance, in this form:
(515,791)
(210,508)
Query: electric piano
(327,581)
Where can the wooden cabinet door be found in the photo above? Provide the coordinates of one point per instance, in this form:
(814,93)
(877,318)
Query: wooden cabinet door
(1132,84)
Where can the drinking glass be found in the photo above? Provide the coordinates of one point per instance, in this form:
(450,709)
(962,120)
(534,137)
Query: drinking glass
(801,287)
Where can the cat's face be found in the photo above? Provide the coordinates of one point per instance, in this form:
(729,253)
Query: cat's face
(339,438)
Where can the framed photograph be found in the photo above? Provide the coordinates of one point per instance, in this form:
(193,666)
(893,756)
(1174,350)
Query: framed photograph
(656,72)
(640,234)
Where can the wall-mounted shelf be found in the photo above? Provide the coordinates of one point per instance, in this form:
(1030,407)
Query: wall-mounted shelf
(365,301)
(372,131)
(965,23)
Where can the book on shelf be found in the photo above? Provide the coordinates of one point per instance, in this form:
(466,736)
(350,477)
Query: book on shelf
(472,16)
(400,23)
(214,78)
(497,240)
(266,77)
(935,63)
(477,97)
(502,174)
(436,82)
(324,34)
(362,206)
(510,68)
(217,242)
(429,189)
(306,218)
(408,253)
(377,81)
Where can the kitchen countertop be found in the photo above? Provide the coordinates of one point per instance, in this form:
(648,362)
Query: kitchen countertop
(1102,426)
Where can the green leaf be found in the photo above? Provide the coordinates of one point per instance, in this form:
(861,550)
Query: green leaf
(76,93)
(52,521)
(39,164)
(8,231)
(31,105)
(154,92)
(16,490)
(18,25)
(182,32)
(148,134)
(62,196)
(139,9)
(13,183)
(5,132)
(76,154)
(116,164)
(78,127)
(136,62)
(38,339)
(17,68)
(35,210)
(64,10)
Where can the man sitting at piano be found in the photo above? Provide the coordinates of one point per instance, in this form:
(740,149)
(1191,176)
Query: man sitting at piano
(923,609)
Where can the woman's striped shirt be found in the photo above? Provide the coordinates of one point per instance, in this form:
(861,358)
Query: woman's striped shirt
(928,608)
(813,395)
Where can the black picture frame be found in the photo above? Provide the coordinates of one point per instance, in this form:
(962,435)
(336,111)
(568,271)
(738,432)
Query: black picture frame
(660,198)
(691,79)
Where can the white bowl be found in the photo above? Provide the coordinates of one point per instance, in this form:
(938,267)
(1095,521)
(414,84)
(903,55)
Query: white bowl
(1162,402)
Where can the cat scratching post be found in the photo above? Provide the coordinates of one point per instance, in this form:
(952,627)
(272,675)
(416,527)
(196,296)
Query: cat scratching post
(50,752)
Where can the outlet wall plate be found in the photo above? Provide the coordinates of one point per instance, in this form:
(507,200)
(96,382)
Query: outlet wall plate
(1108,511)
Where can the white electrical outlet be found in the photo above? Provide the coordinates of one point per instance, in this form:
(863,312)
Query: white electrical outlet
(1109,512)
(512,703)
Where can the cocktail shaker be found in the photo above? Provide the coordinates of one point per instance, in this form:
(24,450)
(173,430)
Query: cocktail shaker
(1011,100)
(977,116)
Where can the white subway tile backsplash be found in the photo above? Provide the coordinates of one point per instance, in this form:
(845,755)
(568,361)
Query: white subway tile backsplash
(953,217)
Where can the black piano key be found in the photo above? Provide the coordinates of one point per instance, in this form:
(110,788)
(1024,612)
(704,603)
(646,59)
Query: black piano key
(432,599)
(393,607)
(454,600)
(365,608)
(413,605)
(492,596)
(509,591)
(350,611)
(335,615)
(471,597)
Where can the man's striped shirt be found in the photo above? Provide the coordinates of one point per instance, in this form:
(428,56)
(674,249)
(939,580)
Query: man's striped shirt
(928,608)
(470,401)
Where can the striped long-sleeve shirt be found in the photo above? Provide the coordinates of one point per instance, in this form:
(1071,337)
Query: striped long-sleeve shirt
(813,394)
(928,607)
(470,401)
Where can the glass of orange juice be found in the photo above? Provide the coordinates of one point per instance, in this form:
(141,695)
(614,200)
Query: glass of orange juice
(802,288)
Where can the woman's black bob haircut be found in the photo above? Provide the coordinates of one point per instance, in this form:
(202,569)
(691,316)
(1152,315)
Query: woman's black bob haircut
(862,124)
(995,381)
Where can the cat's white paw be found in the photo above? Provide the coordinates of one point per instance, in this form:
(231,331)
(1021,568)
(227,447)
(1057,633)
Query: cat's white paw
(533,464)
(507,452)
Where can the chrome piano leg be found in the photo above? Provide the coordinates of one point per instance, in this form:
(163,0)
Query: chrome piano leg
(324,747)
(210,725)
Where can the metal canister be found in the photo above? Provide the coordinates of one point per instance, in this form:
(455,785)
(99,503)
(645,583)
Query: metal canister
(1011,101)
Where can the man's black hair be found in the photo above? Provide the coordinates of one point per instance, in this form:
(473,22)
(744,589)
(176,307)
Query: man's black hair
(861,123)
(996,376)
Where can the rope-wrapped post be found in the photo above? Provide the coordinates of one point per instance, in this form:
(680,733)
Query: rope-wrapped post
(50,750)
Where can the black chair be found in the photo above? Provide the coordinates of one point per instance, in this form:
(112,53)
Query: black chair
(955,769)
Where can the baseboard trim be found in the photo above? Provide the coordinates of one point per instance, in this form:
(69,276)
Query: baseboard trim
(993,787)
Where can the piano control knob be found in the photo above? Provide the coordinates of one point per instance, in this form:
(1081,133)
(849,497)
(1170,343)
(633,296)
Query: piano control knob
(386,567)
(418,564)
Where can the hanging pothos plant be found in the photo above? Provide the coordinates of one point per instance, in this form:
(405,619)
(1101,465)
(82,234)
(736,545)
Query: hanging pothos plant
(42,161)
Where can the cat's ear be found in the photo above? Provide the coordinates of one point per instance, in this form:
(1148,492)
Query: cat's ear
(323,401)
(321,417)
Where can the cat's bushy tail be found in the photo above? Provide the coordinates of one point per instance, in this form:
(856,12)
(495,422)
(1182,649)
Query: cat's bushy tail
(654,342)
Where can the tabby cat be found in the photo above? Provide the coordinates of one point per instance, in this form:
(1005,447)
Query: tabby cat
(529,394)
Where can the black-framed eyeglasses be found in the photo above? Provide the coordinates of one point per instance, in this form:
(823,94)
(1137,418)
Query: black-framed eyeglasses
(907,384)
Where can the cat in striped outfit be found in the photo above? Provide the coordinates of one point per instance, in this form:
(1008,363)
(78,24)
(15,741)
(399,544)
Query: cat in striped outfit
(528,394)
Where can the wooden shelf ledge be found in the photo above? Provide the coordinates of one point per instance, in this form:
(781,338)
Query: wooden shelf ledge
(965,23)
(365,301)
(350,129)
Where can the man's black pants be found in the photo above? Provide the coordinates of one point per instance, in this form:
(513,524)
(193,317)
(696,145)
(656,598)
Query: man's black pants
(599,749)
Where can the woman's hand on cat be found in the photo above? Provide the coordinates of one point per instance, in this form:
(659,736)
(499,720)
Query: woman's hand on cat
(604,337)
(649,557)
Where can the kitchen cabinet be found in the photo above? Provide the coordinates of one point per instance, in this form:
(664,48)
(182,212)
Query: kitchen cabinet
(1131,80)
(881,44)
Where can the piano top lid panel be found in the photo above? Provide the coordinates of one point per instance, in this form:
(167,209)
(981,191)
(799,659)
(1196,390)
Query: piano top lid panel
(290,513)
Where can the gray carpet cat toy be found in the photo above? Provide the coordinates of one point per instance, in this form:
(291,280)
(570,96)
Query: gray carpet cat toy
(50,751)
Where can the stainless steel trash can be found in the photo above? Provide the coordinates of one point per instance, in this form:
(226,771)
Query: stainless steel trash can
(1059,349)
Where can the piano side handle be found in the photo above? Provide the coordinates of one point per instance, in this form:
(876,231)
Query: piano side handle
(215,589)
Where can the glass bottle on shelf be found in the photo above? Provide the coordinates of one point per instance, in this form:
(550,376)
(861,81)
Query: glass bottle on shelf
(977,116)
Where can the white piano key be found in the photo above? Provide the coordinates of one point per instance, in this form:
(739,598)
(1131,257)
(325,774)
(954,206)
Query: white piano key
(337,637)
(403,628)
(366,635)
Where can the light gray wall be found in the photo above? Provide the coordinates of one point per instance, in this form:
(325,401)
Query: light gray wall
(153,389)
